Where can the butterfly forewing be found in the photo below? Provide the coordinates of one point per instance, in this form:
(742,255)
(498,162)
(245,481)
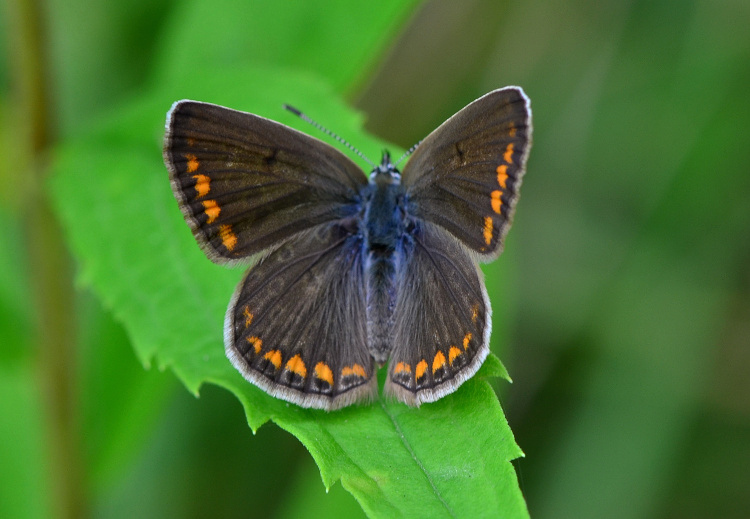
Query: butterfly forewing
(466,175)
(296,325)
(442,318)
(245,183)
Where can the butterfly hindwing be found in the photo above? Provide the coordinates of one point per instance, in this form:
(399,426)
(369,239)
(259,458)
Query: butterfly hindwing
(466,175)
(442,318)
(244,183)
(296,325)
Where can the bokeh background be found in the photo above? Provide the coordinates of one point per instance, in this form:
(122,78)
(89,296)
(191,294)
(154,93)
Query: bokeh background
(622,304)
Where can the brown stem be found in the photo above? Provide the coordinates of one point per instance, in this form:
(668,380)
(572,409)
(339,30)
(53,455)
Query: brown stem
(49,262)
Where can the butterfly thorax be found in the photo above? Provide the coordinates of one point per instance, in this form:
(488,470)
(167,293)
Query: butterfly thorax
(384,215)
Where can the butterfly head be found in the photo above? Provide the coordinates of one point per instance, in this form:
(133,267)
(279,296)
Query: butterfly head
(385,172)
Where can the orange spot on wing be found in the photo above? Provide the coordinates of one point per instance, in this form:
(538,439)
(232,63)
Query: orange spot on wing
(402,367)
(438,362)
(355,370)
(202,185)
(421,368)
(512,130)
(228,238)
(248,316)
(274,357)
(192,163)
(324,373)
(502,175)
(296,365)
(497,202)
(508,155)
(488,229)
(467,338)
(212,210)
(474,312)
(256,342)
(453,352)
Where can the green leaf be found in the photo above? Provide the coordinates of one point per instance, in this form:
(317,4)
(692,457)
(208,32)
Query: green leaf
(333,39)
(305,487)
(450,458)
(119,401)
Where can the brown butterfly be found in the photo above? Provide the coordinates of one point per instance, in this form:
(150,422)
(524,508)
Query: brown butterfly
(354,271)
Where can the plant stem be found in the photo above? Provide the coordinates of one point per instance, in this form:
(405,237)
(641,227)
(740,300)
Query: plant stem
(49,262)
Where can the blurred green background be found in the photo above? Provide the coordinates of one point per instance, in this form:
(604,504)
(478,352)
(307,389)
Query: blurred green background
(622,304)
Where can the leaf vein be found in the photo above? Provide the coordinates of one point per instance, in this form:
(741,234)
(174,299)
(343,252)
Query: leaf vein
(416,459)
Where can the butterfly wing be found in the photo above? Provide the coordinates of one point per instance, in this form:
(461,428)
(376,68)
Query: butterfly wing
(245,183)
(442,318)
(466,175)
(296,325)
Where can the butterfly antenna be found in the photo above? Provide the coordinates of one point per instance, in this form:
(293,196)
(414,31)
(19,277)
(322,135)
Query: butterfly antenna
(329,133)
(407,153)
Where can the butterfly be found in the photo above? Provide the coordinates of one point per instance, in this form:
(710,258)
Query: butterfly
(352,271)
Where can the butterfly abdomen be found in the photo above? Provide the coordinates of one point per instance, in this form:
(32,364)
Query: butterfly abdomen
(381,303)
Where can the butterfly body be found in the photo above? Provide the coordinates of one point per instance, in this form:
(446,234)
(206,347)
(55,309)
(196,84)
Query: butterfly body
(387,237)
(352,273)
